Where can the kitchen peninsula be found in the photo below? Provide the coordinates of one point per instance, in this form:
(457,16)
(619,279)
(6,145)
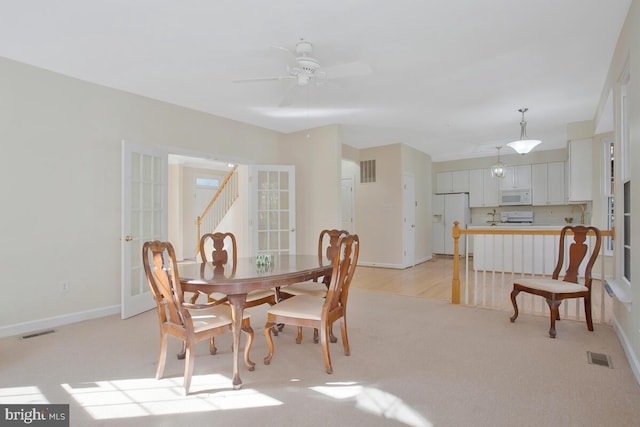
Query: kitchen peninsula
(513,252)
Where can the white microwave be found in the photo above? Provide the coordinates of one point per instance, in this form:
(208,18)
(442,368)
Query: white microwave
(515,197)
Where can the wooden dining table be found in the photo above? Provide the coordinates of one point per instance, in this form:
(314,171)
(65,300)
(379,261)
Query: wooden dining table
(236,282)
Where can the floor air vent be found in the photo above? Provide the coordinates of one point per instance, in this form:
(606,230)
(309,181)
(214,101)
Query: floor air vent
(599,359)
(37,334)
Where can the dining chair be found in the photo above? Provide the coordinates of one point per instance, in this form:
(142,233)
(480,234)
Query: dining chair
(317,311)
(188,322)
(212,249)
(554,289)
(327,245)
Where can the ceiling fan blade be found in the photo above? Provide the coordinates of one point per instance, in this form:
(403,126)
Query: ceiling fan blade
(284,49)
(263,79)
(349,69)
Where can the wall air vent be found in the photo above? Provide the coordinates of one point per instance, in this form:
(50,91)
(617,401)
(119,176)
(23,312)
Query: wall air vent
(37,334)
(367,171)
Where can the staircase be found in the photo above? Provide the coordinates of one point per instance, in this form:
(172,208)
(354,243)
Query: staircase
(218,207)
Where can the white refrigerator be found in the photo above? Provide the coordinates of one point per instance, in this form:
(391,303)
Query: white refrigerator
(446,209)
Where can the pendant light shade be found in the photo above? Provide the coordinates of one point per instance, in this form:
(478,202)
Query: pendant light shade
(524,144)
(497,170)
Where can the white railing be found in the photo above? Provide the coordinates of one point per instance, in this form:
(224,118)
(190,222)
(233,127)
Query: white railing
(218,207)
(501,255)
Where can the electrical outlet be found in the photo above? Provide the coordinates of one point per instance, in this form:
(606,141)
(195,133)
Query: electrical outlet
(64,286)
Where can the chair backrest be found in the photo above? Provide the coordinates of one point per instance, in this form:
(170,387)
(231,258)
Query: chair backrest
(328,242)
(345,260)
(161,269)
(578,250)
(328,245)
(219,256)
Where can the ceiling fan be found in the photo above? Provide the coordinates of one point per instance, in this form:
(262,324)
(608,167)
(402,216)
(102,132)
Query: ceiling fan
(305,69)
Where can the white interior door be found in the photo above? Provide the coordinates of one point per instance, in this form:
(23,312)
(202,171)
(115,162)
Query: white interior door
(274,212)
(409,201)
(144,217)
(347,204)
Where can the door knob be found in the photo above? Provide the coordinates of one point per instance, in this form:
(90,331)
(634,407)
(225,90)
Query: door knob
(128,238)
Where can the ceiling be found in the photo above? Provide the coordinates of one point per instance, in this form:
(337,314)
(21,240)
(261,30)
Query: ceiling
(447,77)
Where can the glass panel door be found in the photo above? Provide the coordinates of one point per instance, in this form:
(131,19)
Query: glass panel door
(274,215)
(144,217)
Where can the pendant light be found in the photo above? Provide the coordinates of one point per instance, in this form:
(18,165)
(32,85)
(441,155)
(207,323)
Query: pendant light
(524,144)
(497,170)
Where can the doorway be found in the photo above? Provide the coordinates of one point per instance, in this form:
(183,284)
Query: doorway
(192,182)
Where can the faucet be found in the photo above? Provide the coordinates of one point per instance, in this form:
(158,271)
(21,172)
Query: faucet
(493,216)
(582,207)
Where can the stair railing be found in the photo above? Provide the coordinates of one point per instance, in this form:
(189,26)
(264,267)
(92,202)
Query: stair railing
(218,207)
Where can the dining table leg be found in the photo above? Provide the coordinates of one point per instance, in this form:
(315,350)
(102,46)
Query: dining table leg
(237,308)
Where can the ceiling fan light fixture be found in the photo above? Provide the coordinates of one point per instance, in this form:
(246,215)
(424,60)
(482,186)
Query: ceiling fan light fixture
(307,63)
(497,170)
(303,79)
(524,144)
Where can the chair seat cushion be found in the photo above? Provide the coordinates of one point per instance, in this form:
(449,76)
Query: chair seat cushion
(302,306)
(212,317)
(551,285)
(216,296)
(259,294)
(317,289)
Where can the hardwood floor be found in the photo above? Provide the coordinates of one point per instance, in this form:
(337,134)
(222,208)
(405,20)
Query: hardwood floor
(430,279)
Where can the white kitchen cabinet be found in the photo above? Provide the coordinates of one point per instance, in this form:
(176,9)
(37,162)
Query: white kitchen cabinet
(452,182)
(483,189)
(547,184)
(580,170)
(516,177)
(446,209)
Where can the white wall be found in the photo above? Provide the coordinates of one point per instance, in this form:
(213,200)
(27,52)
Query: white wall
(379,206)
(627,316)
(317,160)
(61,178)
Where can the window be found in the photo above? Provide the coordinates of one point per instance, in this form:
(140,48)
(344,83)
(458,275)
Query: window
(207,183)
(626,178)
(608,192)
(627,232)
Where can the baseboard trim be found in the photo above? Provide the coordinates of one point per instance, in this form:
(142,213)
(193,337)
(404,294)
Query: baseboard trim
(383,265)
(628,349)
(52,322)
(394,266)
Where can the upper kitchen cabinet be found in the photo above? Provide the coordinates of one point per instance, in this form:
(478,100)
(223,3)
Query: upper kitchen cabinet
(580,170)
(452,182)
(547,184)
(483,189)
(516,177)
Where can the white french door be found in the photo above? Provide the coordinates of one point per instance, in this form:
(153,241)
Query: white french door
(274,209)
(144,217)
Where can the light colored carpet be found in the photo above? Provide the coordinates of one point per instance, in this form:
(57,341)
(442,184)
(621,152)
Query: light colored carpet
(414,361)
